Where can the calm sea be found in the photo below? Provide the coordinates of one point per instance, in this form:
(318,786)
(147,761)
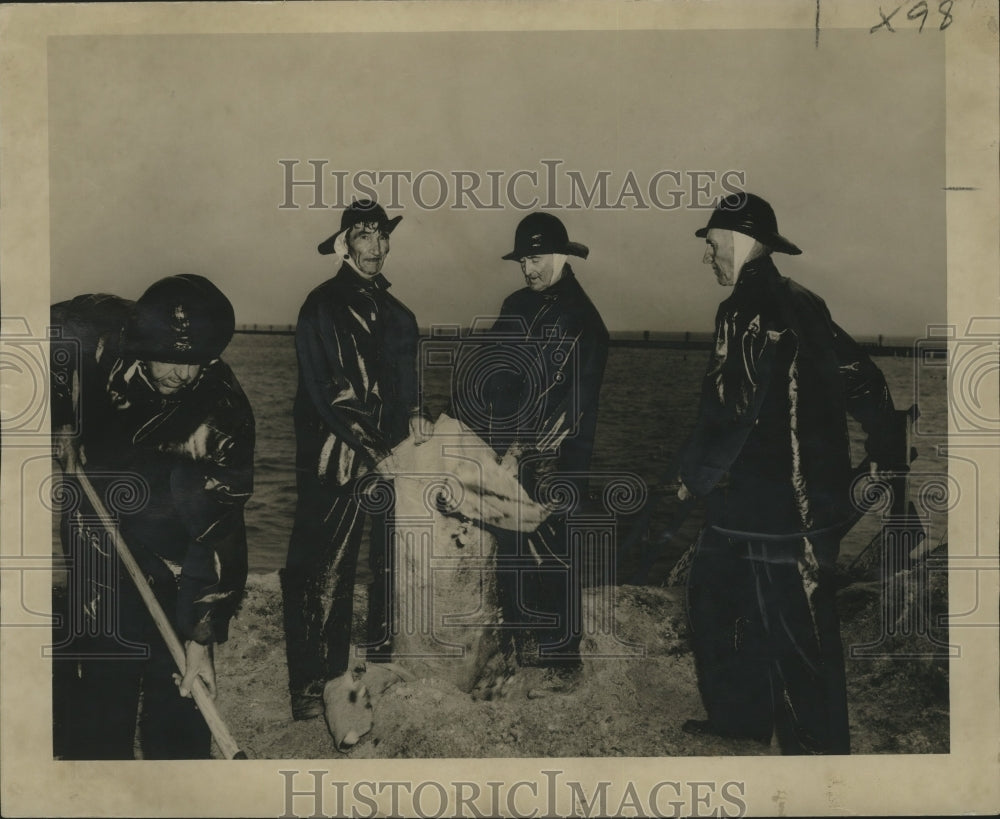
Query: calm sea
(648,404)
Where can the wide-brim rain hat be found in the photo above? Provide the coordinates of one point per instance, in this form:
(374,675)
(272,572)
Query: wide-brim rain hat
(540,233)
(181,319)
(361,211)
(752,216)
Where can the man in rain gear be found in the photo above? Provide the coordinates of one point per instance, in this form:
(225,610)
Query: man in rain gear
(142,402)
(770,453)
(356,399)
(530,388)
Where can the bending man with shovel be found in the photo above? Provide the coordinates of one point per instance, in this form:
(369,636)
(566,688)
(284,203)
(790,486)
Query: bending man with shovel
(145,411)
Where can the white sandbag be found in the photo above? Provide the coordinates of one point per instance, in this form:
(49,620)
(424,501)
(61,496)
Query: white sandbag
(446,609)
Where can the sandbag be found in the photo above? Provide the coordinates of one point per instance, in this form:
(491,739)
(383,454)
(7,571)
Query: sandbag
(449,492)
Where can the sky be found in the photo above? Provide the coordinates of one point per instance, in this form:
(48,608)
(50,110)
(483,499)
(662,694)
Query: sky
(166,152)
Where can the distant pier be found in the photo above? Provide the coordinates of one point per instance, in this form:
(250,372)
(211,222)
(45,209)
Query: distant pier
(266,329)
(873,345)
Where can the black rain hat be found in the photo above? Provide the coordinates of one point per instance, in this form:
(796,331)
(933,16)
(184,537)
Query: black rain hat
(180,319)
(752,216)
(540,233)
(361,211)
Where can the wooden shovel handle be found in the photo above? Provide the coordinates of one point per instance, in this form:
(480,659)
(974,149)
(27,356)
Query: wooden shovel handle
(227,745)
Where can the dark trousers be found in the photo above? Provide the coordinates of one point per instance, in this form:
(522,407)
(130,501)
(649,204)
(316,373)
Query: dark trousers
(766,640)
(318,582)
(540,587)
(101,682)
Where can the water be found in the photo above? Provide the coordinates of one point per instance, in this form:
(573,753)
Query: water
(648,405)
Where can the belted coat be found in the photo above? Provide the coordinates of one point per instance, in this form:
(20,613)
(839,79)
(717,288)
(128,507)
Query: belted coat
(770,446)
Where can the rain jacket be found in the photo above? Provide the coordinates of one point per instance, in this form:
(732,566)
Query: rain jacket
(357,348)
(183,463)
(543,361)
(770,444)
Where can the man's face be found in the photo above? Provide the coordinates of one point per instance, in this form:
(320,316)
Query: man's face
(169,378)
(719,254)
(538,271)
(368,245)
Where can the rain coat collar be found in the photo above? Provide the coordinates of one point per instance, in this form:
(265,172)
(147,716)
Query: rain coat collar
(754,274)
(566,282)
(350,277)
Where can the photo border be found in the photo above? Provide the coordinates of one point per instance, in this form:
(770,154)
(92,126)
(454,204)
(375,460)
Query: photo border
(33,784)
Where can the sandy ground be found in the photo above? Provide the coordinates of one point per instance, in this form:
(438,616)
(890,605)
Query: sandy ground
(623,707)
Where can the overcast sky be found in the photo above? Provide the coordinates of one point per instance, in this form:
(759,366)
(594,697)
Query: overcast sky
(166,150)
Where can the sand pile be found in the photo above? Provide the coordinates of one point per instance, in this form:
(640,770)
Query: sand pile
(623,706)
